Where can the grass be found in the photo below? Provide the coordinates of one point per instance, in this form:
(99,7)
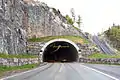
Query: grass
(100,55)
(2,55)
(4,69)
(76,39)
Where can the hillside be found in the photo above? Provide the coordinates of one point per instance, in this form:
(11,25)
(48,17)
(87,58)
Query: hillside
(42,20)
(21,20)
(76,39)
(113,35)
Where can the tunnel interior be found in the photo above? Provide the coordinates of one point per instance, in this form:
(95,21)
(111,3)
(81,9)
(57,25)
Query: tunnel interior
(60,51)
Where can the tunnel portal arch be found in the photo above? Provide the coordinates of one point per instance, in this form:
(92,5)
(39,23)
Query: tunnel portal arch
(60,50)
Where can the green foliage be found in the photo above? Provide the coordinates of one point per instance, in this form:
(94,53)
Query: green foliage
(48,38)
(69,20)
(100,55)
(3,69)
(2,55)
(79,21)
(76,27)
(6,68)
(73,14)
(113,35)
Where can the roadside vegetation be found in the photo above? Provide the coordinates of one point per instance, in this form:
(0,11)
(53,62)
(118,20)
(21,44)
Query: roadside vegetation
(7,70)
(4,70)
(100,55)
(76,39)
(113,34)
(3,55)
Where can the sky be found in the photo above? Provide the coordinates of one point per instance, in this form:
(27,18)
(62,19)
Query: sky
(97,15)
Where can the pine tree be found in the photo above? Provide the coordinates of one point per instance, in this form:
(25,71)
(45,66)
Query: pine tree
(79,21)
(73,14)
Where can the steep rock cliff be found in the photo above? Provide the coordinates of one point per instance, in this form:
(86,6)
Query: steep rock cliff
(12,31)
(45,21)
(21,19)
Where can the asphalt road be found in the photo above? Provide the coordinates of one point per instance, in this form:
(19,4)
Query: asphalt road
(113,70)
(62,71)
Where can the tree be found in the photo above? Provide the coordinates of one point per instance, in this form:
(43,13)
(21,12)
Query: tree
(79,21)
(73,14)
(113,34)
(69,20)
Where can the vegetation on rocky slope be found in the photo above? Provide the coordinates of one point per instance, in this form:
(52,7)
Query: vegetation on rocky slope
(100,55)
(69,20)
(4,69)
(17,56)
(113,34)
(76,39)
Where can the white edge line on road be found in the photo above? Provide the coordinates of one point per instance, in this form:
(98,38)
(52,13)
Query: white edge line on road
(18,74)
(100,72)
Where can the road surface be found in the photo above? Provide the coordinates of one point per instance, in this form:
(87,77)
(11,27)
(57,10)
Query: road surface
(113,70)
(102,45)
(62,71)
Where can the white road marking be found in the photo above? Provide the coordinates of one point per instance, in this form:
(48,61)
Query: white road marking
(61,67)
(100,72)
(60,71)
(18,74)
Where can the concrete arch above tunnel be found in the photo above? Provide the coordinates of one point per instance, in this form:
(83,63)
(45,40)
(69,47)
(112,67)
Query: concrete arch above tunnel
(59,50)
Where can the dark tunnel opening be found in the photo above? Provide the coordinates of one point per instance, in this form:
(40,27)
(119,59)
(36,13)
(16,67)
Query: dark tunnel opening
(60,51)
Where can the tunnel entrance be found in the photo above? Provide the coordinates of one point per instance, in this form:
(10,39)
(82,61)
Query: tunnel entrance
(60,51)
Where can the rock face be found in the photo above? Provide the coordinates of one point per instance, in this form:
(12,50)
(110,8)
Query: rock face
(45,21)
(12,31)
(20,20)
